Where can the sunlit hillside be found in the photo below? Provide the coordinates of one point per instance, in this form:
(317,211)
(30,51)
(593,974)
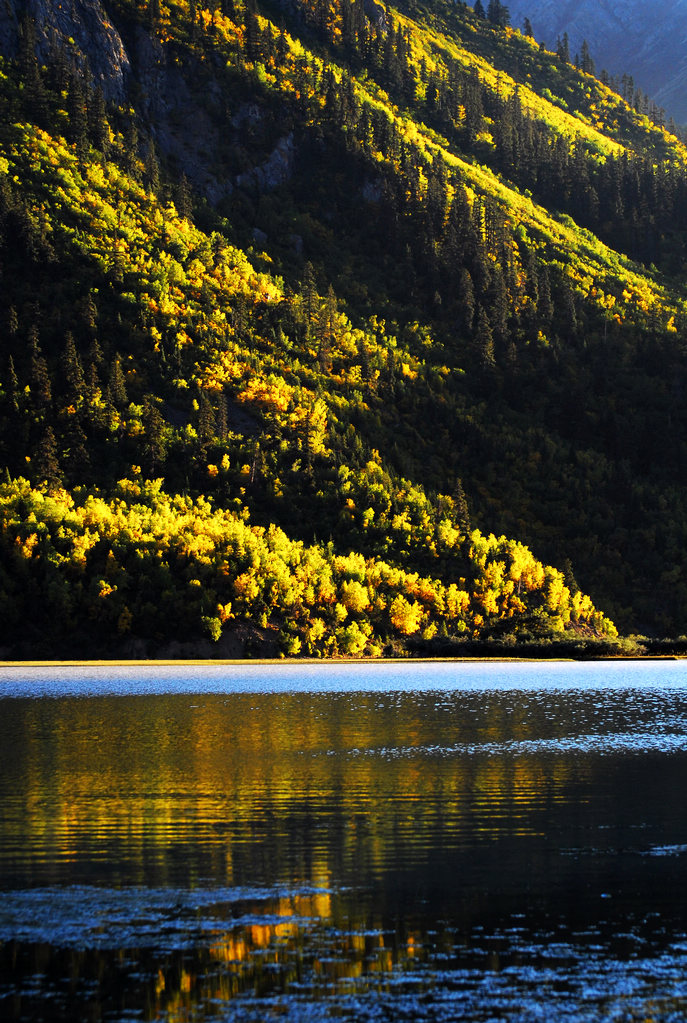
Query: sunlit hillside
(350,332)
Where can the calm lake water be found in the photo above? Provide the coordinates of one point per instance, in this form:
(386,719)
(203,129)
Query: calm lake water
(368,842)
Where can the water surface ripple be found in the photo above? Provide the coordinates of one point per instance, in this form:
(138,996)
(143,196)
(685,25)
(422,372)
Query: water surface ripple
(367,842)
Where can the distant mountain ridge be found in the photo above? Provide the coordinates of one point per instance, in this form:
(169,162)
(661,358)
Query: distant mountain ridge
(644,40)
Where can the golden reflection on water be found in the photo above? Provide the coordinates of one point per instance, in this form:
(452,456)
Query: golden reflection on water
(253,954)
(314,793)
(148,783)
(334,842)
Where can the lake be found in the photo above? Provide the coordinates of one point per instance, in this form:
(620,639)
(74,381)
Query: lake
(364,842)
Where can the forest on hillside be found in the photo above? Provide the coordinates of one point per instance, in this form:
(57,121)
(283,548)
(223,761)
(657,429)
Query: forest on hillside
(353,331)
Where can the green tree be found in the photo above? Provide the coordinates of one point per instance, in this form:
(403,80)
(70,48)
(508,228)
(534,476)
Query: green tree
(77,106)
(98,127)
(498,14)
(73,371)
(563,48)
(12,387)
(46,463)
(461,506)
(206,420)
(586,62)
(154,447)
(466,298)
(484,339)
(116,386)
(30,71)
(41,387)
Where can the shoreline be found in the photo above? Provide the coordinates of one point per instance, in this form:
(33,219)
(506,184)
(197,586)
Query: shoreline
(320,662)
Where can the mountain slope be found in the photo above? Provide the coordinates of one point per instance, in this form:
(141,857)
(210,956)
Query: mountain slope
(332,273)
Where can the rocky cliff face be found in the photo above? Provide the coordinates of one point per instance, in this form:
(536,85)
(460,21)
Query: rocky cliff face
(96,41)
(643,39)
(189,129)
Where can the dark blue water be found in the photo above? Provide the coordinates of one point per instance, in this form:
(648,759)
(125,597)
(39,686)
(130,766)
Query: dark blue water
(366,842)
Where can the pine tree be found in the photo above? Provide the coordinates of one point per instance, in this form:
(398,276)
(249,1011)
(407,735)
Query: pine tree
(73,371)
(154,447)
(12,387)
(253,35)
(77,457)
(182,198)
(484,340)
(326,330)
(206,420)
(30,71)
(12,321)
(462,512)
(563,48)
(586,62)
(116,387)
(222,417)
(498,306)
(310,299)
(98,127)
(545,304)
(46,468)
(151,175)
(282,47)
(154,13)
(466,297)
(95,354)
(78,114)
(131,146)
(569,577)
(41,388)
(567,311)
(498,14)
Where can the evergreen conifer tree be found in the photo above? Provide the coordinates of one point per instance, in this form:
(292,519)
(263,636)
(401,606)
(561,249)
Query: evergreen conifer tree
(484,340)
(30,71)
(462,512)
(586,62)
(154,447)
(98,128)
(46,468)
(73,371)
(563,48)
(41,388)
(116,387)
(12,387)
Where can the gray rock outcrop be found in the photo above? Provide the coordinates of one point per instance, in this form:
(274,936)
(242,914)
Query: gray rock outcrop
(96,42)
(277,169)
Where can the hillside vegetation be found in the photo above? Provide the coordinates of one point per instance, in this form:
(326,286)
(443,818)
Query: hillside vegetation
(355,331)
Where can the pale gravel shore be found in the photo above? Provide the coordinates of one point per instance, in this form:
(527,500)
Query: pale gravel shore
(322,662)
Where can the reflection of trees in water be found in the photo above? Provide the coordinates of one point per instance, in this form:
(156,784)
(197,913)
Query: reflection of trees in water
(385,843)
(278,960)
(317,940)
(276,787)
